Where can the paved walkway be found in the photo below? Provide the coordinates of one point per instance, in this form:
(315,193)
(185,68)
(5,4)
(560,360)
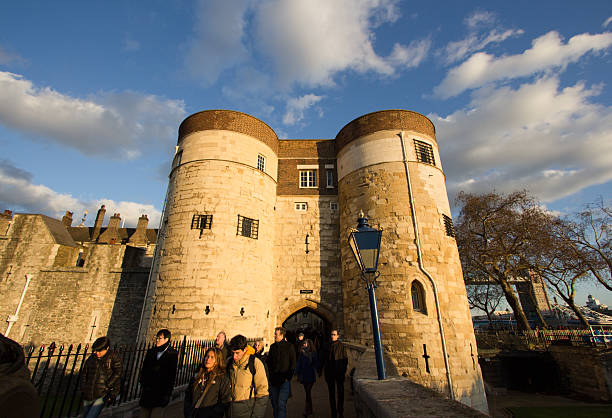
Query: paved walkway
(295,405)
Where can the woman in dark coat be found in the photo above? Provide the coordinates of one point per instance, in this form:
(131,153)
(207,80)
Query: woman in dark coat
(209,394)
(305,370)
(157,376)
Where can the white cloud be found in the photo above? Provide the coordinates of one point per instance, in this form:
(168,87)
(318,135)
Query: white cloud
(303,42)
(457,50)
(479,18)
(297,106)
(115,124)
(218,39)
(547,52)
(130,45)
(18,193)
(607,22)
(552,141)
(309,42)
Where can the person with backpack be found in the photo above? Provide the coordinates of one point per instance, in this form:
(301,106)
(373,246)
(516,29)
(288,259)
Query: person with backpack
(210,393)
(248,379)
(306,370)
(100,378)
(281,366)
(157,376)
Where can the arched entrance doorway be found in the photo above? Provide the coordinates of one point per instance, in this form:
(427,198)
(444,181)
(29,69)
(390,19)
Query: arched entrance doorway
(306,320)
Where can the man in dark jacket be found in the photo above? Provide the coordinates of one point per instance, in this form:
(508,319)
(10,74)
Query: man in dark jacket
(100,378)
(18,397)
(281,366)
(335,362)
(157,376)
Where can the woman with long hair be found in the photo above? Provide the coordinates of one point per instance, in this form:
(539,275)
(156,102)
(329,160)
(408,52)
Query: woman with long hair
(306,369)
(209,394)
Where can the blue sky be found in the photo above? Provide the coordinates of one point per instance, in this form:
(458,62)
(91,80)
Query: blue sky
(91,95)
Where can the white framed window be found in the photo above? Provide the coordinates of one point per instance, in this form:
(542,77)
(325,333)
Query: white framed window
(308,178)
(333,206)
(301,206)
(261,163)
(329,175)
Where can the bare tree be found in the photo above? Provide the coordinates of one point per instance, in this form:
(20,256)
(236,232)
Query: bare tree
(485,297)
(589,237)
(494,234)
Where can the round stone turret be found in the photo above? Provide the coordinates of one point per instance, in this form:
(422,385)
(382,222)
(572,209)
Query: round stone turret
(215,255)
(389,167)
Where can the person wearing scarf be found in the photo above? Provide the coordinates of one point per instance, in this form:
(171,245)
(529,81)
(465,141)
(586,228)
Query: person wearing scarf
(209,394)
(305,369)
(157,376)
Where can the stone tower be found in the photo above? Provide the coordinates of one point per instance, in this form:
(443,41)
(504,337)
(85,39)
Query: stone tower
(215,258)
(389,167)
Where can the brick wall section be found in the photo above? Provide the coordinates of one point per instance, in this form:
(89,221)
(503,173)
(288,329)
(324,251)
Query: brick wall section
(231,121)
(305,152)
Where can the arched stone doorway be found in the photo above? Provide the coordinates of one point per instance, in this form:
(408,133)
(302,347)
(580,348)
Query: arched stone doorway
(311,318)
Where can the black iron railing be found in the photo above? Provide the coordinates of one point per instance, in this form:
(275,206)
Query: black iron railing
(55,372)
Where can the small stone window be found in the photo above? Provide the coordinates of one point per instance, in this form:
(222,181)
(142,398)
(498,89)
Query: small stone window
(301,206)
(308,178)
(330,178)
(333,206)
(261,163)
(424,152)
(448,226)
(418,297)
(201,222)
(247,227)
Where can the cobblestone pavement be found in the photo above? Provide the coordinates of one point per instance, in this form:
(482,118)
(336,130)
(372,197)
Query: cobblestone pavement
(295,405)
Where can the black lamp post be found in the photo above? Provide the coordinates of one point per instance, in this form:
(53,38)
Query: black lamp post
(365,244)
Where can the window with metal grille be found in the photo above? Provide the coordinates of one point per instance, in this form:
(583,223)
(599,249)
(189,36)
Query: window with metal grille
(418,297)
(448,225)
(201,222)
(424,152)
(308,178)
(247,227)
(261,163)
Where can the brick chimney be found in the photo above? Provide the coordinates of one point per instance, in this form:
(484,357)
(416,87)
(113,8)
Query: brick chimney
(5,222)
(111,234)
(139,237)
(67,219)
(98,223)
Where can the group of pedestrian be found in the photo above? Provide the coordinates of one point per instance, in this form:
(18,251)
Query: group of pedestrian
(235,380)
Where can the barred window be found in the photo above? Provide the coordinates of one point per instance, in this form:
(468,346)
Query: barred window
(247,227)
(424,152)
(418,297)
(308,178)
(261,163)
(201,222)
(448,225)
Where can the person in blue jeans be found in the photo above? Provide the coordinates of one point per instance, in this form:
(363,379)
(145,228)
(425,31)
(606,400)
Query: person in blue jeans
(100,378)
(281,366)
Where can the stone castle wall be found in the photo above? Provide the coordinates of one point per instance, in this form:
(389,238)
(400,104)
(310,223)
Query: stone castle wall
(65,303)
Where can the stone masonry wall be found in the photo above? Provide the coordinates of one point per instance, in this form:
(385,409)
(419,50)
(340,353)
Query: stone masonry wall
(373,179)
